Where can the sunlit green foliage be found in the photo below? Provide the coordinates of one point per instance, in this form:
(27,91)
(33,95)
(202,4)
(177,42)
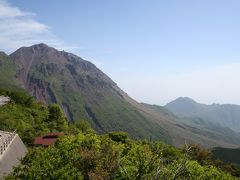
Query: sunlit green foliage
(91,156)
(118,136)
(197,171)
(56,119)
(207,158)
(83,125)
(29,117)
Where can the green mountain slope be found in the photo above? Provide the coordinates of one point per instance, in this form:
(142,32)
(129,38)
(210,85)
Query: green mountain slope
(85,92)
(82,90)
(7,71)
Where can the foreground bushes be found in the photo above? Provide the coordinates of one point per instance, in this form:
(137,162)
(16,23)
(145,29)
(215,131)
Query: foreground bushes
(90,156)
(29,117)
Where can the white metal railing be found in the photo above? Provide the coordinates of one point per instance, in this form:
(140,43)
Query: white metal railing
(5,140)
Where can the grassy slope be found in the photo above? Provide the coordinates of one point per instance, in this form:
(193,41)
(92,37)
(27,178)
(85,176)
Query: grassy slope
(7,72)
(104,107)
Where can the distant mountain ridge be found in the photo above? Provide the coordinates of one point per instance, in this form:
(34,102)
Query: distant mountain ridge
(85,92)
(227,115)
(199,126)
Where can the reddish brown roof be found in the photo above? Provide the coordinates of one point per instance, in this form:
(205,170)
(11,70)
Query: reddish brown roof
(53,135)
(48,139)
(38,141)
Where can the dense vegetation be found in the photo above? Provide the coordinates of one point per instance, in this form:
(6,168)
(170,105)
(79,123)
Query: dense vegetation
(227,155)
(230,157)
(29,117)
(207,157)
(112,156)
(82,154)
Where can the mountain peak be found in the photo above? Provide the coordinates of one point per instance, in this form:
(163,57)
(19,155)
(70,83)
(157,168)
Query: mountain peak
(183,105)
(36,46)
(40,64)
(184,100)
(3,53)
(41,45)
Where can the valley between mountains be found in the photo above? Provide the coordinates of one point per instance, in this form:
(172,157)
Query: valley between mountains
(85,92)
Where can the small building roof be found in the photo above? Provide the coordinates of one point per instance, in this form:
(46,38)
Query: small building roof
(53,135)
(48,139)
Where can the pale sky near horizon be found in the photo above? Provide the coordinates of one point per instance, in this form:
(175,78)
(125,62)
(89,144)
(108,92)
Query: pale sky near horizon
(155,50)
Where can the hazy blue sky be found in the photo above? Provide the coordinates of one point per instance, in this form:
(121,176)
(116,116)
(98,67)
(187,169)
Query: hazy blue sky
(156,50)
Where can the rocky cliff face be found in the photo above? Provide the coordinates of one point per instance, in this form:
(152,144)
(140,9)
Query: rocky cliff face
(40,64)
(83,91)
(49,75)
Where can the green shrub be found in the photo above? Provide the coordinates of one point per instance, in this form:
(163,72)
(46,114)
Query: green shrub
(118,136)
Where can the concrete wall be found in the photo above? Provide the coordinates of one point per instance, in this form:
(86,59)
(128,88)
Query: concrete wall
(4,100)
(11,157)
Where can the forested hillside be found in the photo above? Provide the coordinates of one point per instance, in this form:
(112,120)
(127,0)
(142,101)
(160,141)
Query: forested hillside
(29,117)
(83,154)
